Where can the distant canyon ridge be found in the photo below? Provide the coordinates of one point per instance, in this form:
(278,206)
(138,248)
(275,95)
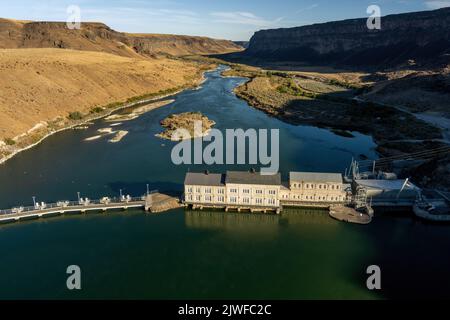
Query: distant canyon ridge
(94,36)
(419,36)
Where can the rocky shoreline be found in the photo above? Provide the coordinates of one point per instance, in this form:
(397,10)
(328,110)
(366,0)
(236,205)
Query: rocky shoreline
(84,121)
(301,100)
(9,151)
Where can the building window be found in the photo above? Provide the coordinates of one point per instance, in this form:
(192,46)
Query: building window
(233,199)
(272,192)
(190,198)
(271,201)
(198,198)
(220,191)
(220,198)
(259,191)
(233,190)
(198,190)
(246,200)
(246,191)
(259,201)
(208,190)
(307,186)
(207,198)
(190,189)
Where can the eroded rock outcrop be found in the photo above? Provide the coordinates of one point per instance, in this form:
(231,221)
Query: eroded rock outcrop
(419,36)
(94,36)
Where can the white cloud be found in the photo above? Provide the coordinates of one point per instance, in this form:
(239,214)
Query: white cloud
(307,8)
(140,15)
(437,4)
(246,18)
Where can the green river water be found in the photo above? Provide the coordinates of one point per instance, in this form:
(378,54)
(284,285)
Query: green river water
(180,254)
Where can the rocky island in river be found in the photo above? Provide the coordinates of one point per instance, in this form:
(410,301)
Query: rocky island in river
(189,121)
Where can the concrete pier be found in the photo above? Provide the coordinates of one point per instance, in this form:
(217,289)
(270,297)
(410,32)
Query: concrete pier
(154,202)
(349,214)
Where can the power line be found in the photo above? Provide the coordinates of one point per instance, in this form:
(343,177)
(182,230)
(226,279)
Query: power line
(419,154)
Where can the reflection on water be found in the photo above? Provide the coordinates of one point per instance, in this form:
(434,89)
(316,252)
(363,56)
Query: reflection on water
(217,219)
(228,220)
(306,216)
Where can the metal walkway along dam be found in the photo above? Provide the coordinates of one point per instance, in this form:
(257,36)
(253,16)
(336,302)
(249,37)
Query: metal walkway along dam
(152,202)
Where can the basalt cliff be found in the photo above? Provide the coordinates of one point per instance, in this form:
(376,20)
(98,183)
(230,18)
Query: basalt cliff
(403,38)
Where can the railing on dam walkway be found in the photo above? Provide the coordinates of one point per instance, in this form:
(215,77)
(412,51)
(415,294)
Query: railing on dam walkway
(80,205)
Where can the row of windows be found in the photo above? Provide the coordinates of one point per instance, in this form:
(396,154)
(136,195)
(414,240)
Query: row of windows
(232,190)
(314,197)
(247,200)
(271,192)
(207,198)
(319,186)
(207,190)
(247,191)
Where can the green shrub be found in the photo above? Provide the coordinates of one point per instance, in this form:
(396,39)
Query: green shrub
(9,141)
(113,105)
(75,115)
(97,110)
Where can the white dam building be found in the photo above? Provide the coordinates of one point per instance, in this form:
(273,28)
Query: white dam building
(249,190)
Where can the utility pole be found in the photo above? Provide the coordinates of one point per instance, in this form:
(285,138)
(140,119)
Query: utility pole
(403,187)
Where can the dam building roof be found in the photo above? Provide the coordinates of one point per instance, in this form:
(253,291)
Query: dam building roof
(315,177)
(252,177)
(204,179)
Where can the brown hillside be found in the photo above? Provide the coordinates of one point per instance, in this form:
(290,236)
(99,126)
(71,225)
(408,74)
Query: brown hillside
(99,37)
(177,45)
(41,84)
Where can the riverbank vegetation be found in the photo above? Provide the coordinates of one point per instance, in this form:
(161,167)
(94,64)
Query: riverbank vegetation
(89,85)
(332,102)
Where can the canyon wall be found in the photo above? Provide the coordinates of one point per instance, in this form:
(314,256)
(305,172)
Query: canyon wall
(417,36)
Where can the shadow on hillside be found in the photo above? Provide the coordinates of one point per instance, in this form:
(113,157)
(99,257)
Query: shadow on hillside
(243,58)
(402,56)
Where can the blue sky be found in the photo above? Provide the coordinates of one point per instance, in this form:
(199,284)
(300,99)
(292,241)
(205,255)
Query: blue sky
(227,19)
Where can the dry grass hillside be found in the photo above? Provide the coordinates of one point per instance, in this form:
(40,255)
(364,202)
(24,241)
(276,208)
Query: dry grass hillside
(178,45)
(417,91)
(52,77)
(42,84)
(99,37)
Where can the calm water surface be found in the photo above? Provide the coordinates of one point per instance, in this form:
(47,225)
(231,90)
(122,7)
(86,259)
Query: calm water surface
(191,254)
